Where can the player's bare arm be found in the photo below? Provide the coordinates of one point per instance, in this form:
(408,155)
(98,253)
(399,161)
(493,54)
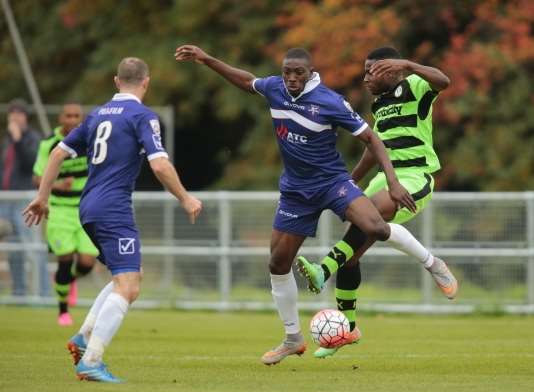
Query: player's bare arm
(167,175)
(238,77)
(59,185)
(38,208)
(398,193)
(366,163)
(435,77)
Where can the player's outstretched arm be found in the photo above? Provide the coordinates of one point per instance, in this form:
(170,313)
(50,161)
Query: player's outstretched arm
(166,174)
(59,185)
(38,208)
(236,76)
(376,147)
(366,163)
(435,77)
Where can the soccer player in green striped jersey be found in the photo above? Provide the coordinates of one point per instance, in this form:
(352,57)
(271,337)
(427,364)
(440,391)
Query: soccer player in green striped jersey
(66,238)
(402,110)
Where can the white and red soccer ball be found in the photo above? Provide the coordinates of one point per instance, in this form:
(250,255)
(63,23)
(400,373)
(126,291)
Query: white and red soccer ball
(329,327)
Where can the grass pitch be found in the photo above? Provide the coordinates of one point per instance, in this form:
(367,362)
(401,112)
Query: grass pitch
(198,351)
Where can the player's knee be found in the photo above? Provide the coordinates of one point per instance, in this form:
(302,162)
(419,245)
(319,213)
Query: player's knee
(83,269)
(129,291)
(279,265)
(381,231)
(378,229)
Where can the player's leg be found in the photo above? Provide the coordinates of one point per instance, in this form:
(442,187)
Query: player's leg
(284,247)
(84,265)
(338,198)
(295,219)
(85,258)
(125,291)
(60,237)
(78,343)
(420,185)
(399,238)
(62,280)
(120,250)
(348,280)
(362,213)
(353,244)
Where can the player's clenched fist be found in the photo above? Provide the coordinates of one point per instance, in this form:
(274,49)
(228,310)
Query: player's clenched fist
(35,211)
(190,53)
(192,206)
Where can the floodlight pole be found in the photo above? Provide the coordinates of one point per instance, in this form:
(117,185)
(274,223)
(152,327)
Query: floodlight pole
(26,69)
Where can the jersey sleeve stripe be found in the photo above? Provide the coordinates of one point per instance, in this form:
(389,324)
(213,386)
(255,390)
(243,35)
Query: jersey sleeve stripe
(158,155)
(299,119)
(66,148)
(360,130)
(254,87)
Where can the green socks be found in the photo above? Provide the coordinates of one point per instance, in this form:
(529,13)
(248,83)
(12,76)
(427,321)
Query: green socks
(346,303)
(338,256)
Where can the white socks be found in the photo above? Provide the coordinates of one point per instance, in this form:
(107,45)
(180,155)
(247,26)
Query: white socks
(401,239)
(90,319)
(284,290)
(107,323)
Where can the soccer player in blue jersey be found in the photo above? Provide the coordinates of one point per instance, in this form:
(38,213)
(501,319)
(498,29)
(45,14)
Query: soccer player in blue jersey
(305,116)
(115,138)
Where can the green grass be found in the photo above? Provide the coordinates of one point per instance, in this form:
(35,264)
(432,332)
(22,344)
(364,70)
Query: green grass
(200,351)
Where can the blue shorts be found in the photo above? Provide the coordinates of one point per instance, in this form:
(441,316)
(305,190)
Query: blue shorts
(118,244)
(297,215)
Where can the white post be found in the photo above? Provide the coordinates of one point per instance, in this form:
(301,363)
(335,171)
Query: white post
(427,239)
(530,242)
(167,118)
(168,237)
(225,237)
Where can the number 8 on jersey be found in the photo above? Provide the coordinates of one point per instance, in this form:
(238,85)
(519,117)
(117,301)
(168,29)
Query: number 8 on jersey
(103,132)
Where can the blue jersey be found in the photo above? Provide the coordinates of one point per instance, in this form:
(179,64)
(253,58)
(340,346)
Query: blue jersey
(305,127)
(115,137)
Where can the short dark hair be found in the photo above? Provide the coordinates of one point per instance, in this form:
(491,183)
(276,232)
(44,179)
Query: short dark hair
(298,53)
(385,52)
(69,102)
(132,70)
(18,105)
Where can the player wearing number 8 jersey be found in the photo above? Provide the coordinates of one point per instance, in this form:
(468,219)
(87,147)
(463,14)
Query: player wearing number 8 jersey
(115,137)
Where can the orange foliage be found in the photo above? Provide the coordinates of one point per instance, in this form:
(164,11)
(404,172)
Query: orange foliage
(339,34)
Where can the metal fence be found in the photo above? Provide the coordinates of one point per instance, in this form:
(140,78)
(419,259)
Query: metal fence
(221,262)
(165,113)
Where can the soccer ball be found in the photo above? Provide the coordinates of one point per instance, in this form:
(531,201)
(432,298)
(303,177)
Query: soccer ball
(329,327)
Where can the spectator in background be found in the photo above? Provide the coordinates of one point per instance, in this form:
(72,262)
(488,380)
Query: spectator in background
(18,151)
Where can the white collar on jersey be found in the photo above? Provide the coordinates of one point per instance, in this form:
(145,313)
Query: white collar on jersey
(310,85)
(125,97)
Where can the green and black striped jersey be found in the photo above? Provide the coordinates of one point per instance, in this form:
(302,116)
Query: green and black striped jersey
(403,121)
(76,168)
